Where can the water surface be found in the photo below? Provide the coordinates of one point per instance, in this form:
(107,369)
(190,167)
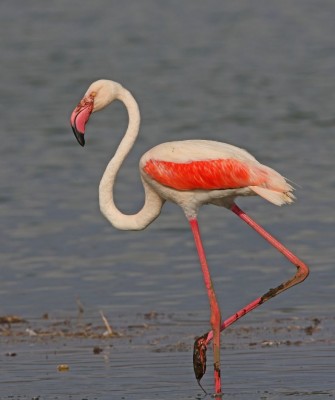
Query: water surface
(259,76)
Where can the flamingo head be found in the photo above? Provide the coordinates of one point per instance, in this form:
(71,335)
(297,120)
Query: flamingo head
(99,95)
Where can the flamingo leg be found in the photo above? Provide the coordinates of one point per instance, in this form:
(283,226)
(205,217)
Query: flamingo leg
(200,345)
(215,318)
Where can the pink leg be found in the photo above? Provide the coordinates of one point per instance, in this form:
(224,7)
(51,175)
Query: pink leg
(200,345)
(215,319)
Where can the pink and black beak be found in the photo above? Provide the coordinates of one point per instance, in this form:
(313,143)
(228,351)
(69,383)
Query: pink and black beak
(80,117)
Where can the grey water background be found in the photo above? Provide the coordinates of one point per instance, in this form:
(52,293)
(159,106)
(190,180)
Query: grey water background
(259,75)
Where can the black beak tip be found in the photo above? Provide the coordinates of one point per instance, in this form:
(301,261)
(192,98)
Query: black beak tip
(79,136)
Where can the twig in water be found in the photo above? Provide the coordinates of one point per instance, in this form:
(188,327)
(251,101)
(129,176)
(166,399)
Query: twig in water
(108,327)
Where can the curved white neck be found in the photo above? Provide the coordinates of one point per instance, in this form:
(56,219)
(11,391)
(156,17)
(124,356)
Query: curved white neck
(153,202)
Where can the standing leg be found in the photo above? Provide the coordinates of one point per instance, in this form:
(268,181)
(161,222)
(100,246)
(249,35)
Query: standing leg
(301,274)
(215,319)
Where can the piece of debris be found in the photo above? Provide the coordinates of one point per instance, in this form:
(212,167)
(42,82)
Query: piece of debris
(11,319)
(31,332)
(63,368)
(108,327)
(80,306)
(309,330)
(97,350)
(151,315)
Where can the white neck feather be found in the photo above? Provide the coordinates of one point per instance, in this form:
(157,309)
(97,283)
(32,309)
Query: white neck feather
(153,202)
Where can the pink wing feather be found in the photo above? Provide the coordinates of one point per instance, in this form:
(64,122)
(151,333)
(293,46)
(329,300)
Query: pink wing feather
(205,174)
(220,174)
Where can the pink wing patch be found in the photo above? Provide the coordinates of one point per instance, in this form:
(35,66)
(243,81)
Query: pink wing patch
(206,175)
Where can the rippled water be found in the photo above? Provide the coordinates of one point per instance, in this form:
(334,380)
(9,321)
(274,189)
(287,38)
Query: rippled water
(258,75)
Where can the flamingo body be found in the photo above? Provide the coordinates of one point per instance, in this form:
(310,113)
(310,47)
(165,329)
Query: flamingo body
(213,169)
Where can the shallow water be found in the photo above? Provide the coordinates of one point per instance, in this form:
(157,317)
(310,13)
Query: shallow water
(258,76)
(151,359)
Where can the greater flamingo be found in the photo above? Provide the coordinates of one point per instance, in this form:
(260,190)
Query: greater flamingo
(189,173)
